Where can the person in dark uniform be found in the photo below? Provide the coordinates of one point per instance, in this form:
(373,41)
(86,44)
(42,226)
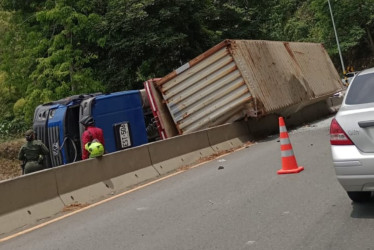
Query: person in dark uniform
(32,153)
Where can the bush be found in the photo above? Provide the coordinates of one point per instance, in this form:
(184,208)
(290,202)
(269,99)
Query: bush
(19,106)
(11,129)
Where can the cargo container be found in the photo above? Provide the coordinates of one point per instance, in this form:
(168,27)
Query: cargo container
(242,78)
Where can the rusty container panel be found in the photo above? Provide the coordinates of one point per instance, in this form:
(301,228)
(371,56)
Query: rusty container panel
(286,74)
(205,92)
(239,78)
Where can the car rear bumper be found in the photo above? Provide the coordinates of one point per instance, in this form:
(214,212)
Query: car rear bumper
(354,169)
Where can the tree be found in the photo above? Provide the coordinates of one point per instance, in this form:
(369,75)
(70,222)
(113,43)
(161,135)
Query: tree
(68,29)
(354,23)
(150,38)
(50,49)
(16,61)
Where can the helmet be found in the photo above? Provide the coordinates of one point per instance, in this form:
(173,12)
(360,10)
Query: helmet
(87,120)
(29,134)
(95,149)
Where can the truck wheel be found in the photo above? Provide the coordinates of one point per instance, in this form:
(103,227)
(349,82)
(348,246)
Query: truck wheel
(360,196)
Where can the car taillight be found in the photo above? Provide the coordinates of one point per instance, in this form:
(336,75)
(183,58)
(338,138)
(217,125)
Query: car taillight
(337,135)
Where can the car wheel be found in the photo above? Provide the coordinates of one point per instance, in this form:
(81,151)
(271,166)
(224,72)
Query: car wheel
(360,196)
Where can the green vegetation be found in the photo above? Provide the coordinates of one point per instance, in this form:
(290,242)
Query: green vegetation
(53,49)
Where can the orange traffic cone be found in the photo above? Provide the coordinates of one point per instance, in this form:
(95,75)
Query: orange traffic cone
(289,164)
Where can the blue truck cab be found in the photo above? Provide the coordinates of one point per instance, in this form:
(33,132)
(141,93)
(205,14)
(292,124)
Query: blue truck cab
(125,118)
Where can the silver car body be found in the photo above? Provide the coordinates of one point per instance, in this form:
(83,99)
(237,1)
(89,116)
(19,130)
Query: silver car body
(354,164)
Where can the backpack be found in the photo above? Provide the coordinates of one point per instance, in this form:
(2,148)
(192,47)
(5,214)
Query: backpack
(94,147)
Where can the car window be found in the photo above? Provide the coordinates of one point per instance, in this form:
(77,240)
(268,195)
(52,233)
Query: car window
(362,90)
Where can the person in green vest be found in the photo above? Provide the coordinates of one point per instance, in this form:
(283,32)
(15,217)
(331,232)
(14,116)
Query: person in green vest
(32,153)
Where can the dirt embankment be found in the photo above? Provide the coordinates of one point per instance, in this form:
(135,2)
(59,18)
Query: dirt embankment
(10,166)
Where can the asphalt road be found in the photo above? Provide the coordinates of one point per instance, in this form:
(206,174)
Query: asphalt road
(234,202)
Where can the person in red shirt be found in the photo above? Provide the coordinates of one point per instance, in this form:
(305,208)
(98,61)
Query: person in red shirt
(91,132)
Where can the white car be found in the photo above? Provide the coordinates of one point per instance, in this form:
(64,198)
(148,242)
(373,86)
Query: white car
(352,138)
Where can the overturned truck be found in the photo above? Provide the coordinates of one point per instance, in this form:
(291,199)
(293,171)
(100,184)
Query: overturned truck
(231,81)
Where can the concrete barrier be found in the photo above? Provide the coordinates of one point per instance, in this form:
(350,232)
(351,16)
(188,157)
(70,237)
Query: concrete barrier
(335,102)
(130,167)
(229,136)
(26,199)
(93,179)
(180,151)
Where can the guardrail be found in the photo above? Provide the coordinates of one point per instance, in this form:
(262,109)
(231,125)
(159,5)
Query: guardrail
(28,199)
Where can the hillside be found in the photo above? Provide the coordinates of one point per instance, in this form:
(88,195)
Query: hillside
(9,164)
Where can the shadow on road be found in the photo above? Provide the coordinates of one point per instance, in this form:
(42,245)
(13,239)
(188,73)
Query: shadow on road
(363,210)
